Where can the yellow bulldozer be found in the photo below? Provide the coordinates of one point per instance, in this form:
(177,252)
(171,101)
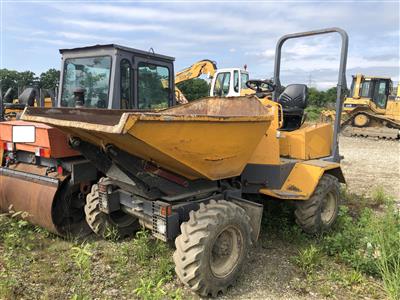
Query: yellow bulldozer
(372,109)
(188,172)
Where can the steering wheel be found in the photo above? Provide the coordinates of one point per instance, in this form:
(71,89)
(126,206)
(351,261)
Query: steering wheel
(261,86)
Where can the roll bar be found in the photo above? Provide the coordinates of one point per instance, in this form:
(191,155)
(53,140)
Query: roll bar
(341,85)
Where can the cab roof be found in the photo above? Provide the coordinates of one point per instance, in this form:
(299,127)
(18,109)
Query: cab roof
(119,47)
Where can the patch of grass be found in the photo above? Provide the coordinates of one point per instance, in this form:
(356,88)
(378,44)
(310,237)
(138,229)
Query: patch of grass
(357,203)
(308,259)
(350,242)
(380,197)
(313,113)
(149,290)
(387,250)
(369,243)
(278,220)
(81,256)
(155,254)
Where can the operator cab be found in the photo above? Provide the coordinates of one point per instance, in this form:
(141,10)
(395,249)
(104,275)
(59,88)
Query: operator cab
(115,77)
(376,89)
(230,82)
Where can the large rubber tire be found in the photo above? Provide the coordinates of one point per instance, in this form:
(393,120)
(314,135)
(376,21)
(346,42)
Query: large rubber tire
(114,225)
(319,213)
(212,247)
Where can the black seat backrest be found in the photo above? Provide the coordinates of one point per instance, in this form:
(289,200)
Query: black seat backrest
(294,96)
(294,100)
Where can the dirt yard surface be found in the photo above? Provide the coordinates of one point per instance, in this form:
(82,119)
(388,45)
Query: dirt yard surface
(370,163)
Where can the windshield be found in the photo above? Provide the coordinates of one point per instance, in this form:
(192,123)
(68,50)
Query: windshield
(92,74)
(244,79)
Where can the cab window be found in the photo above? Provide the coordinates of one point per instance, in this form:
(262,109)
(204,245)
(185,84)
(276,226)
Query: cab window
(126,84)
(244,77)
(236,81)
(365,89)
(153,86)
(92,74)
(221,87)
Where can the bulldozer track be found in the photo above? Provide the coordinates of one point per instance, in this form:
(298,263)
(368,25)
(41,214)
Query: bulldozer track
(382,127)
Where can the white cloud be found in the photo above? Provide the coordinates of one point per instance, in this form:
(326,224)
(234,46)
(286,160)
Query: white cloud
(108,26)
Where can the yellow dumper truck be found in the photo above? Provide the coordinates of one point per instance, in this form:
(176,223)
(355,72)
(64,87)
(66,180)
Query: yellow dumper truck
(185,172)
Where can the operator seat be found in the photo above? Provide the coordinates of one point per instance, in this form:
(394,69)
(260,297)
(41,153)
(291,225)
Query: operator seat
(294,100)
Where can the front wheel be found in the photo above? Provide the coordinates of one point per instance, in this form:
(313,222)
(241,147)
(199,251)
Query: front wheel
(212,247)
(318,213)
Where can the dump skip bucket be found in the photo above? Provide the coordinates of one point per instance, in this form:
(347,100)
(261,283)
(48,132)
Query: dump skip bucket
(210,138)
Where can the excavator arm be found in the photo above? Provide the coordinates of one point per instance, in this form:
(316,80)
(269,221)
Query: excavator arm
(199,68)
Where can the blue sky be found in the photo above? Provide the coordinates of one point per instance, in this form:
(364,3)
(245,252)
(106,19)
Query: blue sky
(232,33)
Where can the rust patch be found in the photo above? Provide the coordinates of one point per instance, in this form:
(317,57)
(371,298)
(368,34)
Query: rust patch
(218,158)
(294,188)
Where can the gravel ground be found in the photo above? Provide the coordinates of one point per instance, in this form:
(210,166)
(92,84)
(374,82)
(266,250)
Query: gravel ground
(270,273)
(370,163)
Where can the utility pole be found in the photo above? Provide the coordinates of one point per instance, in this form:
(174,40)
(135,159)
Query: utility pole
(309,80)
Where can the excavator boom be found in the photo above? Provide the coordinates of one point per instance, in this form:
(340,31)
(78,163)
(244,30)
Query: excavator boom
(202,67)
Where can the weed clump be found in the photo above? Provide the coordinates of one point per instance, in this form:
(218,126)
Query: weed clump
(81,256)
(369,243)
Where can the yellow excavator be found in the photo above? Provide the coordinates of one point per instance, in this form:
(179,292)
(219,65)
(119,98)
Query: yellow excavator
(227,82)
(371,110)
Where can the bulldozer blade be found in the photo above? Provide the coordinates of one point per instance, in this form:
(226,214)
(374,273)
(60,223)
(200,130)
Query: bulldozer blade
(32,199)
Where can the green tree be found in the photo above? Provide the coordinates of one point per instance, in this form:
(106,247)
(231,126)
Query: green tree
(26,79)
(194,88)
(330,95)
(9,79)
(49,79)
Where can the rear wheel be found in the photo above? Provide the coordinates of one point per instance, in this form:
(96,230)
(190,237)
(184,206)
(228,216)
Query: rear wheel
(320,212)
(212,247)
(115,225)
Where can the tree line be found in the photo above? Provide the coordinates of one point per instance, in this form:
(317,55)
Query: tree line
(18,81)
(197,88)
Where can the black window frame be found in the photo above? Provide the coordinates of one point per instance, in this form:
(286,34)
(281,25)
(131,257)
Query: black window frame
(131,101)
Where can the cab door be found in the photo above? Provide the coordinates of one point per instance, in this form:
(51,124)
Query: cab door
(381,93)
(153,83)
(222,85)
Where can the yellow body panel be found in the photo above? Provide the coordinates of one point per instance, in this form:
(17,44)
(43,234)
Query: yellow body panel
(302,180)
(393,110)
(309,142)
(267,151)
